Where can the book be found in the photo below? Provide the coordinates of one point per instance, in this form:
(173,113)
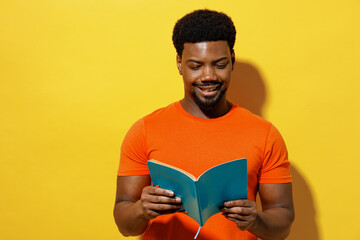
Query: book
(202,197)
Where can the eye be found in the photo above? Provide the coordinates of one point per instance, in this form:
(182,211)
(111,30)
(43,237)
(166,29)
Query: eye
(221,66)
(195,67)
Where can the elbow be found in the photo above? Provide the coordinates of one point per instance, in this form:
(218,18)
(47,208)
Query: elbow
(119,225)
(127,233)
(129,218)
(287,230)
(282,231)
(292,216)
(291,220)
(123,230)
(127,227)
(124,233)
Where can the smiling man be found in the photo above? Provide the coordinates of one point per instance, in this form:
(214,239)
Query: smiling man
(200,131)
(206,68)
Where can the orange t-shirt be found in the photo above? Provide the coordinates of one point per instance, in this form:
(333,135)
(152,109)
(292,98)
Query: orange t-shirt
(173,136)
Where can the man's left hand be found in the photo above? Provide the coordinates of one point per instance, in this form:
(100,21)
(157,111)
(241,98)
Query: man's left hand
(242,212)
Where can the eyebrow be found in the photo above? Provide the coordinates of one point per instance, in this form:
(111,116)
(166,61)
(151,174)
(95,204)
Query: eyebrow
(217,60)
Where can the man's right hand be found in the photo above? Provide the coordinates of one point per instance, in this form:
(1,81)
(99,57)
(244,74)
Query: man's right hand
(157,201)
(137,202)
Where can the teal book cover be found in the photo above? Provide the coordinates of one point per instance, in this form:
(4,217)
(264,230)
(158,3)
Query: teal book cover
(202,197)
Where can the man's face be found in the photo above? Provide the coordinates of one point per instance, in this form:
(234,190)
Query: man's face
(206,68)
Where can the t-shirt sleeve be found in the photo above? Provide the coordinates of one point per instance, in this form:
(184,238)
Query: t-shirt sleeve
(133,154)
(275,167)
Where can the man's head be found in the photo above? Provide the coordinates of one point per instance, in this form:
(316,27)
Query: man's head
(204,41)
(203,26)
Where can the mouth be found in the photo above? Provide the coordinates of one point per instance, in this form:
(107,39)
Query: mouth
(209,90)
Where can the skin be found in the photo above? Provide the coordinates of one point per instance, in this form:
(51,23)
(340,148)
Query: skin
(137,202)
(206,69)
(201,64)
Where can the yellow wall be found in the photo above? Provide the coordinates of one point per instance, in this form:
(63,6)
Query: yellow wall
(74,75)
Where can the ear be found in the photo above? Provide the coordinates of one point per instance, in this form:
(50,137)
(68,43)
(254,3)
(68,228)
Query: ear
(233,60)
(178,63)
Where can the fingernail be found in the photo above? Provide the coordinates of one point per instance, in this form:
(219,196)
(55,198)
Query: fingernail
(170,192)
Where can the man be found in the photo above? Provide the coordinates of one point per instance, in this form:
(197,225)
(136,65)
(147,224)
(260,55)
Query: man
(198,132)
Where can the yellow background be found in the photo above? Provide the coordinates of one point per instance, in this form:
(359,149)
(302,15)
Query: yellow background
(74,76)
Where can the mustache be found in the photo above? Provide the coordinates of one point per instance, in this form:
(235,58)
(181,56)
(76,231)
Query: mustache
(208,83)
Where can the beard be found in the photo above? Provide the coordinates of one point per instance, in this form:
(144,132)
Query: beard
(208,103)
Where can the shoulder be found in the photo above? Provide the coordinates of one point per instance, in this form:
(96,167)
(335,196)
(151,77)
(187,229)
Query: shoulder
(249,120)
(162,114)
(157,117)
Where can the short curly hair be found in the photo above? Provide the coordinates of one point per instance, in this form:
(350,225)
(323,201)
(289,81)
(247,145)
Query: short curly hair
(202,26)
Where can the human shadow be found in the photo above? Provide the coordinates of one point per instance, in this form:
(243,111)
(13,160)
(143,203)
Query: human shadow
(248,89)
(305,226)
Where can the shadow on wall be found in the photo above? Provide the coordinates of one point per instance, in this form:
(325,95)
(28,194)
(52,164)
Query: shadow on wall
(305,226)
(247,89)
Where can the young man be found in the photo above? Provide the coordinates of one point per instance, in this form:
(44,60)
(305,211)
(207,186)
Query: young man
(198,132)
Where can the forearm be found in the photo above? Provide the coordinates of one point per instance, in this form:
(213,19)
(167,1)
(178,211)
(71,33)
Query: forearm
(129,218)
(273,224)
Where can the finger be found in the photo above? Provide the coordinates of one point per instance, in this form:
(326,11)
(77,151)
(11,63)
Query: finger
(150,214)
(239,210)
(240,203)
(235,219)
(161,199)
(158,191)
(238,217)
(161,207)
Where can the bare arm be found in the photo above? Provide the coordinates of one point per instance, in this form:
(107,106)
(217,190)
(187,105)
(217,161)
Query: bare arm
(137,202)
(277,212)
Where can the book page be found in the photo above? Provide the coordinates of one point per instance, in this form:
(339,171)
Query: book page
(180,183)
(224,182)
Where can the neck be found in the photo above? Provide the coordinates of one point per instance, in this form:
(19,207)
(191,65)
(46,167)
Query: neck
(220,109)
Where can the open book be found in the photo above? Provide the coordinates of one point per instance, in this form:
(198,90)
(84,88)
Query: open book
(202,197)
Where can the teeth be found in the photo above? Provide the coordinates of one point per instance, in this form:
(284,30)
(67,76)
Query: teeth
(208,89)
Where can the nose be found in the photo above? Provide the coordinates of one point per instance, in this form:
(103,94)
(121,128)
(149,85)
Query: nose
(208,74)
